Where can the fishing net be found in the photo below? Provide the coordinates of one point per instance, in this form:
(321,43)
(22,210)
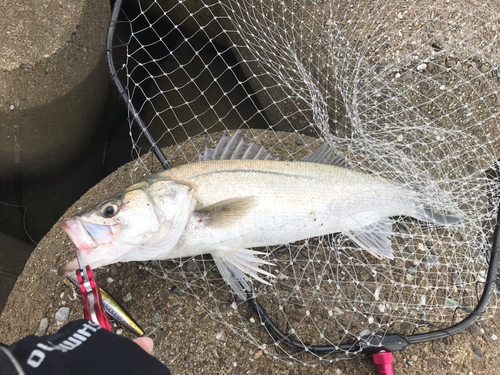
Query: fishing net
(407,90)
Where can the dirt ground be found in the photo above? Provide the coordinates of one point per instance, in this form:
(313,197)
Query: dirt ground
(188,339)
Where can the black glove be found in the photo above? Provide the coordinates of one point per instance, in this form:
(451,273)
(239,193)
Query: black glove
(80,347)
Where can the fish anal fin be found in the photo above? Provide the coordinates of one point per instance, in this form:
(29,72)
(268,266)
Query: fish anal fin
(225,212)
(238,266)
(374,238)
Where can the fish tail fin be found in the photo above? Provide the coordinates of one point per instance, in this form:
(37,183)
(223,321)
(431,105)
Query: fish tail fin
(425,212)
(238,266)
(429,216)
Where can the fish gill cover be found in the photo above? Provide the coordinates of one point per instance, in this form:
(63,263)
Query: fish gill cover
(404,90)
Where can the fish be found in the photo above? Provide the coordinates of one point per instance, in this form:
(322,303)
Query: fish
(238,197)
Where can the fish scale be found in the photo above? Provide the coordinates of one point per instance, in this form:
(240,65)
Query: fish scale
(295,200)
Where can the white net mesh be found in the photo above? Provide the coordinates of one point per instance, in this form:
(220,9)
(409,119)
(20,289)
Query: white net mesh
(404,89)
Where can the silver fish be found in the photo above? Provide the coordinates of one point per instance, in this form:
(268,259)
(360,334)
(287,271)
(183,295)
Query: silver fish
(227,207)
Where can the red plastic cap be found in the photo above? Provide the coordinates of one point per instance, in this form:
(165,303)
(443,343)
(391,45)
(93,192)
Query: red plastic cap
(383,363)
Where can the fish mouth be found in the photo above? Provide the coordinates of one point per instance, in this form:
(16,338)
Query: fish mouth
(86,237)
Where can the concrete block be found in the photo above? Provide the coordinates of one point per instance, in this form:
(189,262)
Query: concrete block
(13,255)
(53,82)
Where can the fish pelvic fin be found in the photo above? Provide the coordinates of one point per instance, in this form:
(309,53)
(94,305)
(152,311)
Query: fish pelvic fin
(238,266)
(225,212)
(374,238)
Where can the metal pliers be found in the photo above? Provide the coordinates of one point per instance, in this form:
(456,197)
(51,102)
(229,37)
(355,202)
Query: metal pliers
(93,308)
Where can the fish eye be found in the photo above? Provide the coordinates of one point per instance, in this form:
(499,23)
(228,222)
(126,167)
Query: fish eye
(109,209)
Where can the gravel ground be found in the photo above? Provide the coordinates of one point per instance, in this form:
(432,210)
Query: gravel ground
(188,338)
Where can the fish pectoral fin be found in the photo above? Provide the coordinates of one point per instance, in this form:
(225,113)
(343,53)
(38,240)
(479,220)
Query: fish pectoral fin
(374,238)
(238,267)
(225,212)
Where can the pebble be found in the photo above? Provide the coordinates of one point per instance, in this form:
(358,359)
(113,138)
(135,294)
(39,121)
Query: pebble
(494,337)
(119,331)
(175,307)
(436,348)
(175,289)
(450,62)
(12,107)
(109,280)
(412,270)
(381,67)
(421,67)
(202,315)
(157,317)
(42,328)
(113,271)
(450,302)
(484,68)
(337,311)
(477,352)
(218,336)
(62,314)
(128,297)
(411,363)
(431,261)
(431,362)
(414,358)
(191,266)
(299,142)
(475,330)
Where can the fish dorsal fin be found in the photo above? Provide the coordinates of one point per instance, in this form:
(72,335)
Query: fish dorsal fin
(235,148)
(225,212)
(325,154)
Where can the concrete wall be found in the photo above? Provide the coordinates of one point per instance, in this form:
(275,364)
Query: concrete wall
(53,83)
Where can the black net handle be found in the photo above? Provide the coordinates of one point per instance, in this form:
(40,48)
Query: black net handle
(123,93)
